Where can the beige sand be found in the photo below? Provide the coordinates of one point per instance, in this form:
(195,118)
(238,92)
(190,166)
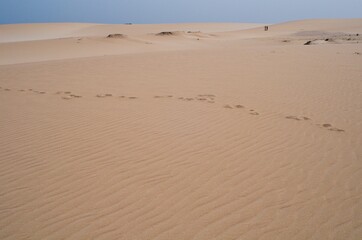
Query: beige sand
(214,131)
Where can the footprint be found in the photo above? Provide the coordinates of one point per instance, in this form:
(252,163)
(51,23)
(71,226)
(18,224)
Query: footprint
(104,95)
(168,96)
(239,106)
(210,101)
(7,89)
(67,97)
(206,95)
(132,97)
(59,92)
(75,96)
(122,96)
(189,99)
(293,118)
(39,92)
(254,113)
(329,127)
(67,92)
(298,118)
(336,129)
(228,106)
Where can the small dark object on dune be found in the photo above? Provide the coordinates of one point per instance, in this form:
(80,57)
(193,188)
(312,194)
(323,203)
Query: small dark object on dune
(116,35)
(327,39)
(128,23)
(308,43)
(165,33)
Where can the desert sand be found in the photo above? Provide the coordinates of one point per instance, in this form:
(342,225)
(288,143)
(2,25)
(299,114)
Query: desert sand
(181,131)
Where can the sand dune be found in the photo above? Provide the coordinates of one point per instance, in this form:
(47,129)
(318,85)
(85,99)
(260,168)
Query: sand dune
(216,132)
(29,32)
(43,42)
(40,31)
(343,25)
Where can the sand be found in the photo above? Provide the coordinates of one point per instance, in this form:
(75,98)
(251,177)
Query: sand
(214,131)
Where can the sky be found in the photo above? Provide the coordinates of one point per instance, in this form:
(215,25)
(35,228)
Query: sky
(174,11)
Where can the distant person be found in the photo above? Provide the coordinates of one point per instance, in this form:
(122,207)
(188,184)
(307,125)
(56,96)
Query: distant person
(266,28)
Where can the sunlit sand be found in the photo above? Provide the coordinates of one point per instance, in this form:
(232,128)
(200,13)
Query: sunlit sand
(182,131)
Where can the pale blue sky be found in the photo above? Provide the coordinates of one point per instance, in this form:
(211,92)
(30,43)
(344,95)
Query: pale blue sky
(174,11)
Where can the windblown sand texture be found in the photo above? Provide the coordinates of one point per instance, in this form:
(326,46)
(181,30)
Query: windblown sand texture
(184,131)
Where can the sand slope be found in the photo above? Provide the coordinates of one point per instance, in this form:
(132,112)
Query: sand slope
(237,135)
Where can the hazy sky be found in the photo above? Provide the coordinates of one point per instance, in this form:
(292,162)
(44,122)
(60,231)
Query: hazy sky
(173,11)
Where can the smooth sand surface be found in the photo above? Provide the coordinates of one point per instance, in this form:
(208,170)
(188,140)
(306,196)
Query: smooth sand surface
(211,131)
